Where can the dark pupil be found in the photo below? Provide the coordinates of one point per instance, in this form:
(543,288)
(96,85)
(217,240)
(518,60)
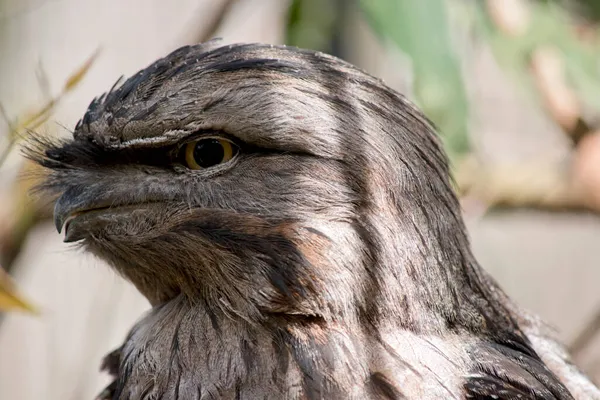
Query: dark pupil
(208,152)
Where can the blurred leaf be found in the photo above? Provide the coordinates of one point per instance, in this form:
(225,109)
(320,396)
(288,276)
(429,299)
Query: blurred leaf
(421,30)
(78,75)
(10,299)
(549,26)
(586,9)
(311,24)
(35,119)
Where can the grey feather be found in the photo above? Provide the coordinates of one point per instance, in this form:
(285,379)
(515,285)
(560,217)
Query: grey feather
(327,260)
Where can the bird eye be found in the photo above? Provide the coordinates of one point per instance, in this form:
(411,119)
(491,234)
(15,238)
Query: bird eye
(208,152)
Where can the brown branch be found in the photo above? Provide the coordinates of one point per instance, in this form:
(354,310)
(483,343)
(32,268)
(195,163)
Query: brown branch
(543,186)
(512,17)
(561,101)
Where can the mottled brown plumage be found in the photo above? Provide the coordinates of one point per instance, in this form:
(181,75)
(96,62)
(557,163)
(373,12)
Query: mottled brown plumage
(327,259)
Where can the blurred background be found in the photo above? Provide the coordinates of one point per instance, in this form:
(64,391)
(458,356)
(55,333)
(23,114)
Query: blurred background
(513,85)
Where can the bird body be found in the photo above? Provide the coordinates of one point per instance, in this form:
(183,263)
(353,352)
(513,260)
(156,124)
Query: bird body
(291,221)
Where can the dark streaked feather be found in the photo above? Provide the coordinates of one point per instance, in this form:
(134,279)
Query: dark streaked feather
(327,260)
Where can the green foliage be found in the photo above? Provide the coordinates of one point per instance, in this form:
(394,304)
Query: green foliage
(586,9)
(549,25)
(421,30)
(311,24)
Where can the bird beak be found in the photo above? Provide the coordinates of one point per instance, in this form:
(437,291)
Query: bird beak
(63,209)
(71,205)
(85,207)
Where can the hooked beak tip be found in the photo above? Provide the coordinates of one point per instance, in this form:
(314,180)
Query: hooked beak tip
(60,214)
(58,223)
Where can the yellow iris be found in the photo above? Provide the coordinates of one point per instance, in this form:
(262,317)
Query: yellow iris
(207,152)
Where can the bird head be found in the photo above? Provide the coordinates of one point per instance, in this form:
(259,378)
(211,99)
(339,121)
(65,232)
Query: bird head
(264,180)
